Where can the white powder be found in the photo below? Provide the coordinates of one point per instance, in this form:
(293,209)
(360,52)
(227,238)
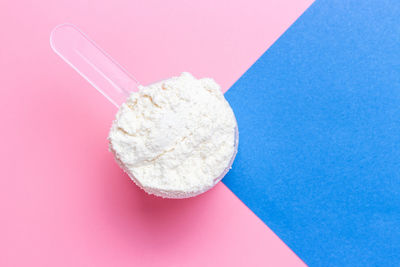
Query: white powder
(175,138)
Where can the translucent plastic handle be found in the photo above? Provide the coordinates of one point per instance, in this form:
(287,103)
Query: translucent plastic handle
(90,61)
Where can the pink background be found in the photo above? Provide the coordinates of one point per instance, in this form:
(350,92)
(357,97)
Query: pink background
(63,199)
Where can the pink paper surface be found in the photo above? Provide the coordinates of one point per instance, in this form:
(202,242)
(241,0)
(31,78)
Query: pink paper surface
(63,199)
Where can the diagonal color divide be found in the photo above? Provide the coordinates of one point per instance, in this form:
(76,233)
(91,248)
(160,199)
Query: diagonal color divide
(63,199)
(319,122)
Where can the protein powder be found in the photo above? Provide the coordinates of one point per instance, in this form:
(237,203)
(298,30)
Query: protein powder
(176,138)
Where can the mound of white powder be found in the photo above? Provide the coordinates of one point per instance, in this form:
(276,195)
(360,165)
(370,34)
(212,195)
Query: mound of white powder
(175,138)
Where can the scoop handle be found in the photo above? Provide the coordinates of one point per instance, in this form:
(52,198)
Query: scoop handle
(92,63)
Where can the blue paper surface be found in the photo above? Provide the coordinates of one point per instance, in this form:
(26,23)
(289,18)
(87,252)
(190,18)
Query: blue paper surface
(319,123)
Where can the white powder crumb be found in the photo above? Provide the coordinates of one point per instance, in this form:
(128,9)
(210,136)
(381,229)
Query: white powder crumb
(175,138)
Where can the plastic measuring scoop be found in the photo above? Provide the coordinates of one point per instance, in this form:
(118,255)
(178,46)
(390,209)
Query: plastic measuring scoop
(92,63)
(103,72)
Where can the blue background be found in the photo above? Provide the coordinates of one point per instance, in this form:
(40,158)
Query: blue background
(319,122)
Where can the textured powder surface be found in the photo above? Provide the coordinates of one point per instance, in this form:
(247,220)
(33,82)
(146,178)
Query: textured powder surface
(175,138)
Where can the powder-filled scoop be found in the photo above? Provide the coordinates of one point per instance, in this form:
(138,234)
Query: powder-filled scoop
(176,138)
